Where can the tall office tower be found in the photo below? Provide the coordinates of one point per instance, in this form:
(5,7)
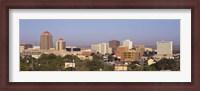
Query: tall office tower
(105,48)
(114,44)
(164,47)
(46,41)
(102,48)
(128,43)
(60,44)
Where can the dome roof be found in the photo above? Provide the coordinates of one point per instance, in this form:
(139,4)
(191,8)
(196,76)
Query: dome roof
(46,33)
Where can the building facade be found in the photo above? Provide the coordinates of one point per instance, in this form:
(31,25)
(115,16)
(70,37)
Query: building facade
(128,43)
(60,44)
(121,68)
(95,48)
(140,49)
(102,48)
(120,50)
(114,44)
(164,47)
(46,41)
(130,56)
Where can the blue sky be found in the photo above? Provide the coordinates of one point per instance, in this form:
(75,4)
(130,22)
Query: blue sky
(87,32)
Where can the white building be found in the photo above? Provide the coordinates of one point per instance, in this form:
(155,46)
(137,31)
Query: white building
(96,48)
(36,47)
(102,48)
(128,43)
(70,47)
(164,47)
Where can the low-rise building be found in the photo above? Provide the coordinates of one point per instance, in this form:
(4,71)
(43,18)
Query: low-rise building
(121,68)
(36,47)
(34,54)
(82,57)
(130,56)
(86,53)
(69,65)
(158,57)
(26,46)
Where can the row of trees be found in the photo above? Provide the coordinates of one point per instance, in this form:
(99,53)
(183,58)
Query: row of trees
(52,62)
(163,64)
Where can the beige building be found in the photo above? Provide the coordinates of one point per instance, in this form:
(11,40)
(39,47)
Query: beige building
(121,68)
(60,44)
(140,49)
(36,47)
(164,47)
(34,53)
(69,65)
(46,41)
(130,56)
(120,50)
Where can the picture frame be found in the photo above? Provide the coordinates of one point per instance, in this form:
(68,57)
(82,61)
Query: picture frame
(88,4)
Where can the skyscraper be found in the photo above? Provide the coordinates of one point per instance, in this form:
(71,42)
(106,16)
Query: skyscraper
(128,43)
(164,47)
(114,44)
(46,41)
(60,44)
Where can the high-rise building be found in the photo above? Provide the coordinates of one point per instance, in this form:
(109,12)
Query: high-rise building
(140,49)
(96,48)
(164,47)
(114,44)
(46,41)
(128,43)
(102,48)
(60,44)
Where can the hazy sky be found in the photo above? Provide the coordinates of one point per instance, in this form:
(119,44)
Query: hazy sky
(87,32)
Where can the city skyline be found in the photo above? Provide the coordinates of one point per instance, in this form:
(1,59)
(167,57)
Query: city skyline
(145,32)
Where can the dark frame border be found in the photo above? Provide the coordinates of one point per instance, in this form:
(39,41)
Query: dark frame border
(6,5)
